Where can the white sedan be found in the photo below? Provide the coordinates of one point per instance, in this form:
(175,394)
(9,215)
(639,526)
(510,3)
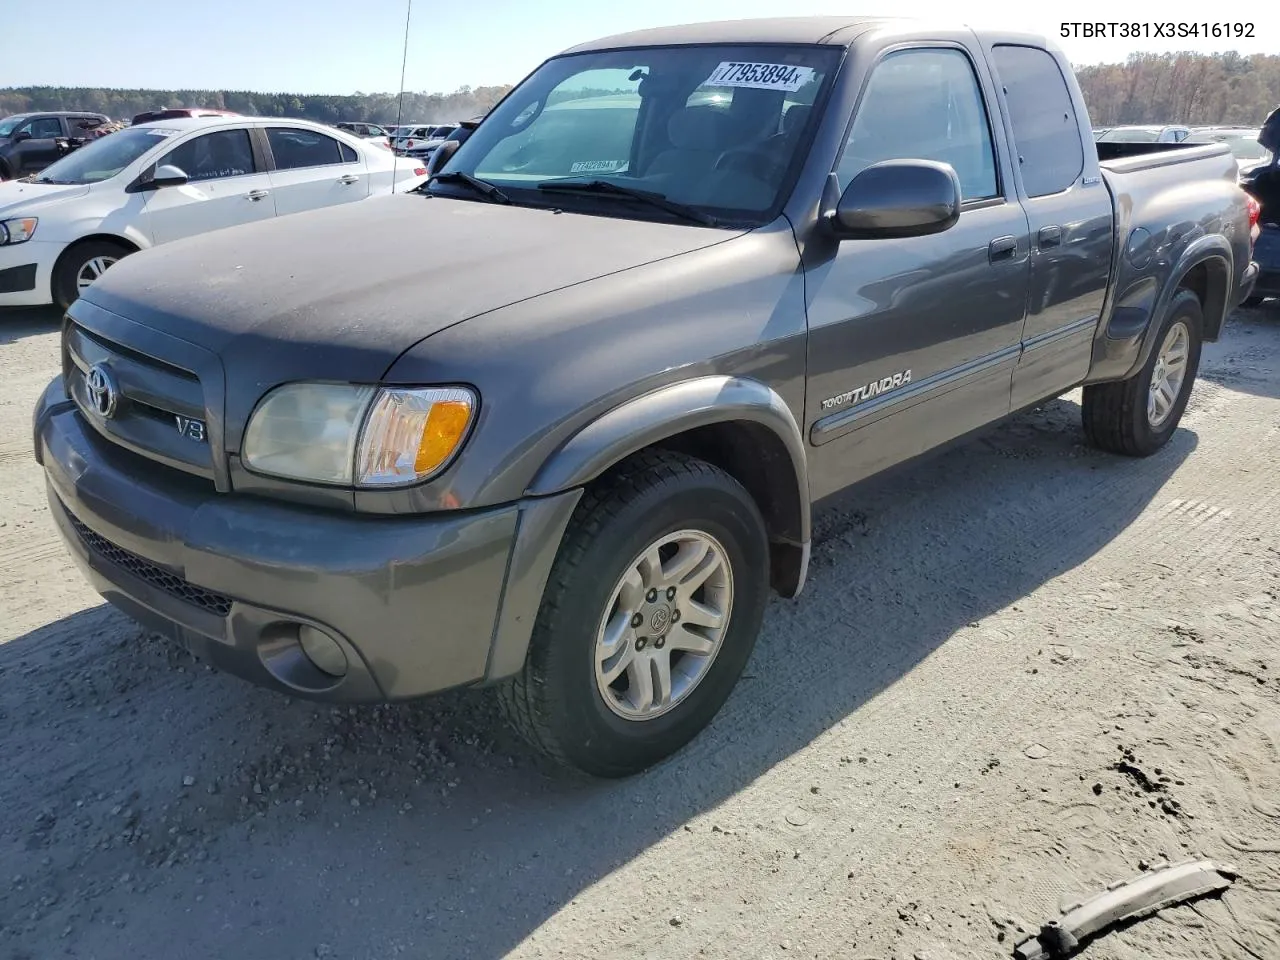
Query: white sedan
(162,181)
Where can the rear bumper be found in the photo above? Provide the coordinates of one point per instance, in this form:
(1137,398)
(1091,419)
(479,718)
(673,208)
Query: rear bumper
(416,604)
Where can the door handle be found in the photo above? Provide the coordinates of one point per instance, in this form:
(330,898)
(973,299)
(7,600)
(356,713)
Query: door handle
(1002,248)
(256,195)
(1049,237)
(348,179)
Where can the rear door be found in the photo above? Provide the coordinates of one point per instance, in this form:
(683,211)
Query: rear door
(313,170)
(913,341)
(1071,219)
(227,186)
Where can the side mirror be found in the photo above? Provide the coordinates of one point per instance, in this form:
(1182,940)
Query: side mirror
(440,156)
(167,176)
(21,135)
(898,198)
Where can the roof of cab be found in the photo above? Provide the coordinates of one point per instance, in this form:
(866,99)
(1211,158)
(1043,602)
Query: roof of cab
(833,31)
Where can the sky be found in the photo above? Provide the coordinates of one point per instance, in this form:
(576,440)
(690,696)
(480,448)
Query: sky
(341,46)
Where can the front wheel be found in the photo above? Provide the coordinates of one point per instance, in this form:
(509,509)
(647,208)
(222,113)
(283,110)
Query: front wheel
(82,264)
(650,615)
(1136,417)
(1251,302)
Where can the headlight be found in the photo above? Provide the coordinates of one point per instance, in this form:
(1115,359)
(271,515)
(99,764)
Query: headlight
(17,231)
(354,435)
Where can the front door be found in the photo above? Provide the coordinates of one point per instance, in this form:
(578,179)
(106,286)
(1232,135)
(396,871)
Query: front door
(225,187)
(41,149)
(912,342)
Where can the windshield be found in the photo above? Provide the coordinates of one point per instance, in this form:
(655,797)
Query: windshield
(717,128)
(103,159)
(8,125)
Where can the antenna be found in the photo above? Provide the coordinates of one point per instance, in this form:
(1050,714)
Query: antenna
(404,63)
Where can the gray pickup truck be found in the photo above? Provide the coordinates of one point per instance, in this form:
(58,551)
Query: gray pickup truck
(557,423)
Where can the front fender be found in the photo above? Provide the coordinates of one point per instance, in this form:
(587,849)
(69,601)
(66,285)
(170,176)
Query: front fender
(664,413)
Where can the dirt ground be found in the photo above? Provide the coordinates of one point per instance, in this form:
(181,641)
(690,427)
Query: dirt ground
(1020,672)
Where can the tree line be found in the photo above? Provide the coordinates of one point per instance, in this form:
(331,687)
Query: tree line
(462,104)
(1195,89)
(1190,88)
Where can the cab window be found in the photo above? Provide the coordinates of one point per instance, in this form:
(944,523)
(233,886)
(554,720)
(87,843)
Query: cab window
(924,105)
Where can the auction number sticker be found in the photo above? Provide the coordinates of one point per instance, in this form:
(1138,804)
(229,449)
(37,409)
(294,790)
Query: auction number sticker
(595,166)
(761,76)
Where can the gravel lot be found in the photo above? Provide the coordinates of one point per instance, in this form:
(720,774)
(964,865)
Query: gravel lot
(1020,672)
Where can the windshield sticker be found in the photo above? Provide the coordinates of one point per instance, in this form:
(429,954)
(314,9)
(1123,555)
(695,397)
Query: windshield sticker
(761,76)
(160,132)
(595,166)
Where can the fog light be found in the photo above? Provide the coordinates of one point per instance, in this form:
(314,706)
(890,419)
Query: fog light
(322,650)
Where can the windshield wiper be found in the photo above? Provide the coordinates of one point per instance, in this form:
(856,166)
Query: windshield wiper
(632,193)
(48,180)
(483,187)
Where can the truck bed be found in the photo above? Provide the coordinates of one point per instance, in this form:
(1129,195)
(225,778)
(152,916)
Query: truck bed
(1129,157)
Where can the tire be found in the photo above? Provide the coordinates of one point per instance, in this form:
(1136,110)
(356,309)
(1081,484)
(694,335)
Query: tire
(5,172)
(77,259)
(1251,302)
(561,702)
(1116,415)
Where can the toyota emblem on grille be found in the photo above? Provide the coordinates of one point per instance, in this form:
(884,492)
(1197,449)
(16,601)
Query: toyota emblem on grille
(103,393)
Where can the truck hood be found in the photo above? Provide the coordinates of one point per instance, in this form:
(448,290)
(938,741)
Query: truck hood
(341,292)
(17,197)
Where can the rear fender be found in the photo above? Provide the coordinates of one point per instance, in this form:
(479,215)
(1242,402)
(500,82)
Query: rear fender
(1129,337)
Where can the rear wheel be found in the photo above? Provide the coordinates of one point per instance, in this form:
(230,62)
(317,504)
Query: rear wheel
(82,264)
(649,618)
(1136,417)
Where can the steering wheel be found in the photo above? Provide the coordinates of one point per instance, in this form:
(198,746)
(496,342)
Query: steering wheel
(750,161)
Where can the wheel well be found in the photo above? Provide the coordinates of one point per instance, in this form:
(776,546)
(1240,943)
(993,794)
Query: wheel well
(92,238)
(758,459)
(1210,281)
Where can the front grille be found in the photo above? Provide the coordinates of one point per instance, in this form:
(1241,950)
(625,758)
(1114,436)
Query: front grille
(149,572)
(153,398)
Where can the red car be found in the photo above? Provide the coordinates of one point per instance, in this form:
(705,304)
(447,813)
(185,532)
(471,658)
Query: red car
(177,113)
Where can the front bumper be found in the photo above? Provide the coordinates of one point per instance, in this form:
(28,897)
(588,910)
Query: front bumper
(417,604)
(26,273)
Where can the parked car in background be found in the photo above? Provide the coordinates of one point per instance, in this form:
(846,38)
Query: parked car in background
(423,149)
(364,130)
(157,182)
(572,448)
(1243,141)
(29,141)
(403,138)
(1262,182)
(177,113)
(1145,134)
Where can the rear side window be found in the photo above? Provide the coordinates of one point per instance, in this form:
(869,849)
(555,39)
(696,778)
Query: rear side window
(1046,132)
(294,148)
